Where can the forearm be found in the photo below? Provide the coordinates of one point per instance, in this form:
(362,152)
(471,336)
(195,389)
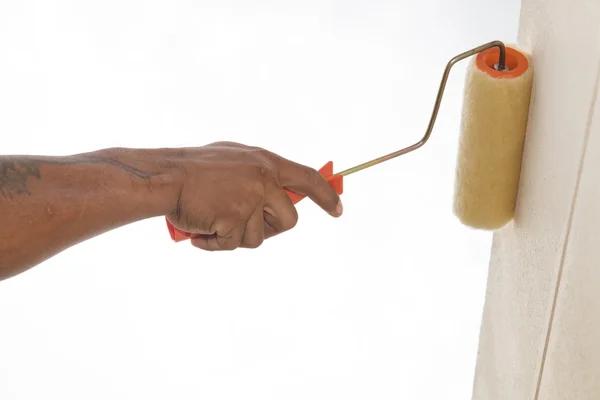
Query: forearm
(48,204)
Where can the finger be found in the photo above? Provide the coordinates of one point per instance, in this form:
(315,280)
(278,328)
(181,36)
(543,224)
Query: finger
(205,242)
(270,223)
(229,238)
(280,214)
(254,234)
(197,226)
(307,181)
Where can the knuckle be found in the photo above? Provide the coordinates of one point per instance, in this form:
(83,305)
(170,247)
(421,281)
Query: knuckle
(230,237)
(257,149)
(263,160)
(262,152)
(257,152)
(237,209)
(261,170)
(225,143)
(229,243)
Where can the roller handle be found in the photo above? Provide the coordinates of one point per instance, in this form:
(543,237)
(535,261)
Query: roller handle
(335,181)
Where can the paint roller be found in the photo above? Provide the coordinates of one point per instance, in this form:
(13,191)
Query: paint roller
(493,126)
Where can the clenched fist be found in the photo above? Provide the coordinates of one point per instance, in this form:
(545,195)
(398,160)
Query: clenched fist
(232,195)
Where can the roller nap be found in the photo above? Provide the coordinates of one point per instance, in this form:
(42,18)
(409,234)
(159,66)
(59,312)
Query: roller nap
(493,127)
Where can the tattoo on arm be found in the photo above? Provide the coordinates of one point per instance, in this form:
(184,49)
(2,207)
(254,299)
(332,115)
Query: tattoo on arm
(15,173)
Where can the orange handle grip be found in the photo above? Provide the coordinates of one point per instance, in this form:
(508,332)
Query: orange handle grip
(335,181)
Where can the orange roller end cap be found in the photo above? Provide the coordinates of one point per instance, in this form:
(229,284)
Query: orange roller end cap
(515,61)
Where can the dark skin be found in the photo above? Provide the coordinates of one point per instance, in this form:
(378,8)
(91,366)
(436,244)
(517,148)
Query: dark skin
(231,194)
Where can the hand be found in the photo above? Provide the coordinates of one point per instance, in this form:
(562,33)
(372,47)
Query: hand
(233,195)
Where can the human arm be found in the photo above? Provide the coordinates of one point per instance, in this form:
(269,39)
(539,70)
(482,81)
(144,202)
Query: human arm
(230,193)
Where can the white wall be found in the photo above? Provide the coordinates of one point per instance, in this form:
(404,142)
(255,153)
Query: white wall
(540,331)
(384,303)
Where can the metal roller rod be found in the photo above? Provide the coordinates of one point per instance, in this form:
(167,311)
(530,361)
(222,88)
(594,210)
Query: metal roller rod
(501,66)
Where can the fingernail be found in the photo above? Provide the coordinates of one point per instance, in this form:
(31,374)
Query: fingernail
(339,209)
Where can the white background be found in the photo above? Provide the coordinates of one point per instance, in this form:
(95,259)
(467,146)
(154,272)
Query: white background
(383,303)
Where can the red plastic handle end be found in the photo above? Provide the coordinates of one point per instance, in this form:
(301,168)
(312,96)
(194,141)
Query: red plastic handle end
(176,234)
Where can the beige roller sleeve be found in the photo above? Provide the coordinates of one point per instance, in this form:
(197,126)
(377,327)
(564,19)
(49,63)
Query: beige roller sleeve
(540,333)
(493,127)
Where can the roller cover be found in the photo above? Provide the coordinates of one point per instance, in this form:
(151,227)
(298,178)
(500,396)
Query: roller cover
(493,127)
